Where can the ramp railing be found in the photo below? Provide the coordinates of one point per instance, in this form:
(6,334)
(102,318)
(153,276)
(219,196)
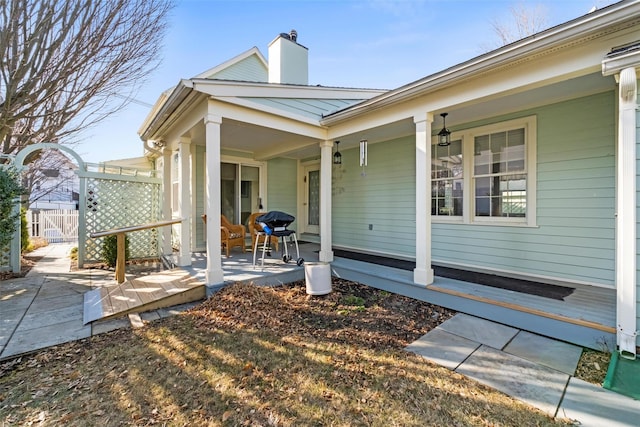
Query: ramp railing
(120,241)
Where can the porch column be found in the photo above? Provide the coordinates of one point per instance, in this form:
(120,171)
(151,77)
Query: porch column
(326,162)
(423,273)
(214,273)
(166,201)
(626,215)
(184,201)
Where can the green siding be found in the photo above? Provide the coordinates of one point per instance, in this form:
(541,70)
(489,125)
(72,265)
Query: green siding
(250,69)
(384,198)
(199,165)
(575,237)
(281,186)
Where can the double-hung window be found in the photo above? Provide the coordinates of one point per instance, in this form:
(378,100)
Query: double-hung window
(487,175)
(447,179)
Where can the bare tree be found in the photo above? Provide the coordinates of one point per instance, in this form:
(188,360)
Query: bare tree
(524,21)
(65,61)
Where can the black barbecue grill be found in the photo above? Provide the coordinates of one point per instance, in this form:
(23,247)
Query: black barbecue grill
(275,223)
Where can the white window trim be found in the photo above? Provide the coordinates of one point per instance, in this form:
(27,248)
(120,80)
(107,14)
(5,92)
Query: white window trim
(175,183)
(467,136)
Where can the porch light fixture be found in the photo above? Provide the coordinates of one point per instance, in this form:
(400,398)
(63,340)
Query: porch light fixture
(444,136)
(337,157)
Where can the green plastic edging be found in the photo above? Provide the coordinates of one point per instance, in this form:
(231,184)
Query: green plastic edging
(608,379)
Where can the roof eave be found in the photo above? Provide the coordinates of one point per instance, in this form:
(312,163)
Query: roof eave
(563,34)
(179,93)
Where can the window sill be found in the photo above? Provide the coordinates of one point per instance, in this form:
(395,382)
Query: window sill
(494,223)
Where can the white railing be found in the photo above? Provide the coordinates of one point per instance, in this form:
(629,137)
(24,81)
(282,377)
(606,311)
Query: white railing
(56,226)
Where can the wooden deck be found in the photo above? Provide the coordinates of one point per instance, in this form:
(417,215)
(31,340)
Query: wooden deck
(146,293)
(585,318)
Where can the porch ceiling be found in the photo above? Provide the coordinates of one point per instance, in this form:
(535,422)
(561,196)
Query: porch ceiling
(264,142)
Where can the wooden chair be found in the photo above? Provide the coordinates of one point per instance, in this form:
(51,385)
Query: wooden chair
(230,234)
(255,230)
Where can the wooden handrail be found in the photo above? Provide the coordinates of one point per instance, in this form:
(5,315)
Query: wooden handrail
(120,246)
(134,228)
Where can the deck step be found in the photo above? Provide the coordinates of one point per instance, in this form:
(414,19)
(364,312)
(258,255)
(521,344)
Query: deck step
(146,293)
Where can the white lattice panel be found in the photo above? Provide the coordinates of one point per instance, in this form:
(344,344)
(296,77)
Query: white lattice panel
(112,203)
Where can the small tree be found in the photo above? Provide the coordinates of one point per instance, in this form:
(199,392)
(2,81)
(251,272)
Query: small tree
(10,189)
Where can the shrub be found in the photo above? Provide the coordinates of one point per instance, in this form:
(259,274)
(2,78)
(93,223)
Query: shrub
(110,249)
(24,231)
(10,189)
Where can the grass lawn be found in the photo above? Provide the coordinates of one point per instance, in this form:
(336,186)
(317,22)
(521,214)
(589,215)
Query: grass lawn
(256,356)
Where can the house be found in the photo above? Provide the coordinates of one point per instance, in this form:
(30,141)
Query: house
(52,181)
(533,175)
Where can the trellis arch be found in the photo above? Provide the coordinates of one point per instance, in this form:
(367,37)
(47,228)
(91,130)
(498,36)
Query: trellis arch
(110,197)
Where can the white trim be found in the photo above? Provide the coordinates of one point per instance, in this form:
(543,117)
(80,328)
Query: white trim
(423,273)
(184,200)
(326,164)
(626,205)
(578,32)
(254,51)
(529,123)
(212,122)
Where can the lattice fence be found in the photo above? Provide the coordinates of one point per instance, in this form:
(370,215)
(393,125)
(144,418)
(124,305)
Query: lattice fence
(120,201)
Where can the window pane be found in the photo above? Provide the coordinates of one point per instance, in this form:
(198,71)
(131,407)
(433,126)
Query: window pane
(516,155)
(446,176)
(513,190)
(498,146)
(482,155)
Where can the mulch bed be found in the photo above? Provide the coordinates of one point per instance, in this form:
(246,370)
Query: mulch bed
(353,313)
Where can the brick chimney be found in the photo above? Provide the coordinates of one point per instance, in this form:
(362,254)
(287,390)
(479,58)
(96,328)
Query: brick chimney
(288,60)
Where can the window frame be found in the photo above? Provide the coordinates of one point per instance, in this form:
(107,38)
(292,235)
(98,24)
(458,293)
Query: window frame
(529,124)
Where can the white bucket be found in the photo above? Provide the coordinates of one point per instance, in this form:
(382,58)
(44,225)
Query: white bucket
(317,277)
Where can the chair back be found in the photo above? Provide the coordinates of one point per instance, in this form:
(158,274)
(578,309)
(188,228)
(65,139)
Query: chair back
(225,222)
(253,227)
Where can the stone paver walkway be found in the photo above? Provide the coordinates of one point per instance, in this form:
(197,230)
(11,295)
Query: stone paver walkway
(528,367)
(45,308)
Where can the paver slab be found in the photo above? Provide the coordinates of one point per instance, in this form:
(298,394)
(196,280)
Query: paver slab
(479,330)
(443,348)
(594,406)
(35,339)
(530,382)
(549,352)
(35,320)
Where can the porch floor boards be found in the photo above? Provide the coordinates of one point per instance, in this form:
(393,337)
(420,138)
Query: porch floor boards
(586,317)
(589,306)
(145,293)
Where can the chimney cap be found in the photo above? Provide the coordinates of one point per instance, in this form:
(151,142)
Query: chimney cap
(291,35)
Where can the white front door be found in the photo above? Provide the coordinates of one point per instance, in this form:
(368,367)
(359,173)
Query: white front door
(312,199)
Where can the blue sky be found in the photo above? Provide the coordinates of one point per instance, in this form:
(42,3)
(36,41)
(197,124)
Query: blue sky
(352,43)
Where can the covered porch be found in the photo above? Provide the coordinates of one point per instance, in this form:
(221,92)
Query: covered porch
(585,317)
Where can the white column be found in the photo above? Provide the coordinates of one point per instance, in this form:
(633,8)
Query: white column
(212,137)
(423,273)
(326,162)
(626,215)
(166,200)
(184,201)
